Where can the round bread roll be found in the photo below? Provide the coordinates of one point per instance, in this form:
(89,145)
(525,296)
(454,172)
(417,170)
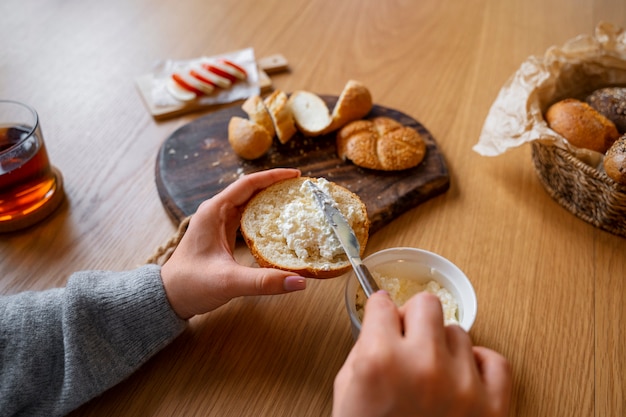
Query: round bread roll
(611,102)
(380,143)
(582,125)
(286,229)
(249,140)
(615,161)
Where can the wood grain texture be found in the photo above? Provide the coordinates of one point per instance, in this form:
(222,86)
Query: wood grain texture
(196,162)
(550,287)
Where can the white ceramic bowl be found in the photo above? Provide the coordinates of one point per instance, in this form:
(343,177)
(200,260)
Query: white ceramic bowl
(412,262)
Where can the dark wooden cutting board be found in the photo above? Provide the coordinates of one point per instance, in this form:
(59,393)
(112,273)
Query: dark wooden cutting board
(196,162)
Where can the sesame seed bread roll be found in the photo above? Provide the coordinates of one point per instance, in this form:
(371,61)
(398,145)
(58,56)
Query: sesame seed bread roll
(380,143)
(611,102)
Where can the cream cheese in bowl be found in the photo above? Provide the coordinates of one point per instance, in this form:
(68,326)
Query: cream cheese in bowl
(403,272)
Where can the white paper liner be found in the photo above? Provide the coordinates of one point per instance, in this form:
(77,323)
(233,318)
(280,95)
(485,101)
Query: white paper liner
(238,91)
(581,65)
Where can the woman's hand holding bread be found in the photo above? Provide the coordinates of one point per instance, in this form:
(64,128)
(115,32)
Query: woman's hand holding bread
(202,274)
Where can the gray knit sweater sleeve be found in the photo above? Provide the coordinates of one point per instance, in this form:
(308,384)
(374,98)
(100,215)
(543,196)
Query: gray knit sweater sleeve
(61,347)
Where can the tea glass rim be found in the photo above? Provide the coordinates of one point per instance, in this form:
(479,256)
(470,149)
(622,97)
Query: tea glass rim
(30,132)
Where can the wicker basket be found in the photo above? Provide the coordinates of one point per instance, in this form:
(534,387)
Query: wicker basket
(574,69)
(583,190)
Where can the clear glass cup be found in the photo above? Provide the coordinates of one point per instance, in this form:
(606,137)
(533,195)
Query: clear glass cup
(30,188)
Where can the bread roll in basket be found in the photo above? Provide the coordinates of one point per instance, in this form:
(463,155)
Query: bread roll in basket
(574,177)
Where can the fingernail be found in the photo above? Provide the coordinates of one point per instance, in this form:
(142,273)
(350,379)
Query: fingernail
(294,284)
(383,292)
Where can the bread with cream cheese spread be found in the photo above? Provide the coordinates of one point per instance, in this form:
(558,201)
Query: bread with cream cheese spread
(284,228)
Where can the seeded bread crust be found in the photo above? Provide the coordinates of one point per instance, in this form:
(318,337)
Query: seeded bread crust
(381,143)
(611,102)
(260,224)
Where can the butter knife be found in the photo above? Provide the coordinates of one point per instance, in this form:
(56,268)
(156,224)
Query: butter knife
(346,237)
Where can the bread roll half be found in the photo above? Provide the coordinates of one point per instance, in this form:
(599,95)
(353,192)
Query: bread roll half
(310,112)
(284,228)
(354,103)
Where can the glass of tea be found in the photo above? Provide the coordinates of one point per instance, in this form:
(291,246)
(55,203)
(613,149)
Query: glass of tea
(30,188)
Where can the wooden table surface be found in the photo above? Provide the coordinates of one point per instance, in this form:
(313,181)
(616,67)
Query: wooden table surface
(550,287)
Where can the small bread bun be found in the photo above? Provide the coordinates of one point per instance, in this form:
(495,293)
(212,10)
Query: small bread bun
(284,124)
(284,228)
(611,102)
(380,143)
(257,113)
(354,103)
(582,125)
(615,161)
(310,113)
(248,139)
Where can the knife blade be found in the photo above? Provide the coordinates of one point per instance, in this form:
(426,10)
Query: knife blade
(346,236)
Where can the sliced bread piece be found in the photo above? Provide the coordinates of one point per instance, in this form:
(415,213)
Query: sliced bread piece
(258,113)
(310,112)
(284,124)
(284,228)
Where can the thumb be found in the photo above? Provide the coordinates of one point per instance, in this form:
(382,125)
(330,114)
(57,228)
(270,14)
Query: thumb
(265,281)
